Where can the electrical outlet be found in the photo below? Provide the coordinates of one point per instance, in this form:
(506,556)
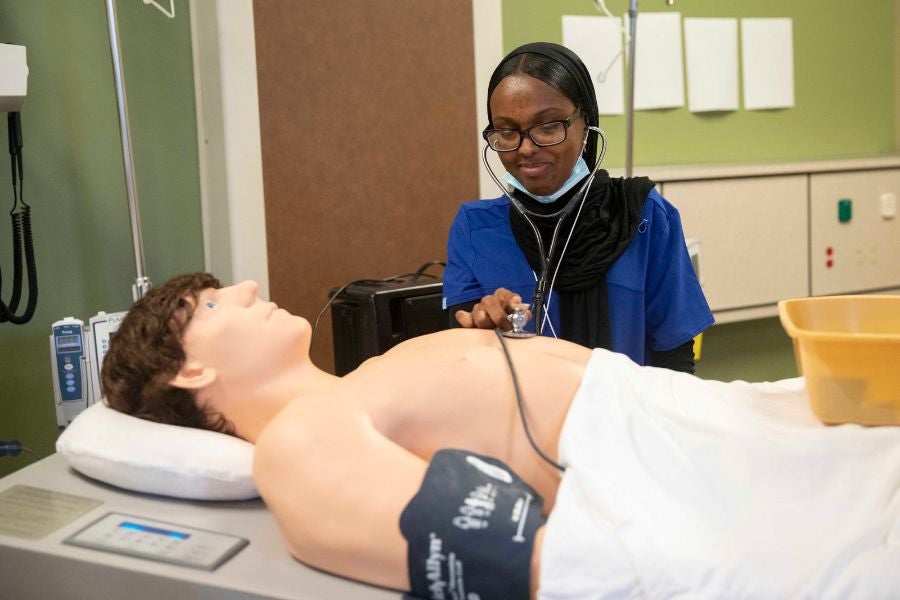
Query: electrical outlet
(888,205)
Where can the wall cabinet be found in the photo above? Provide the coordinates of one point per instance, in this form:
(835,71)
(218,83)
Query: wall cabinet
(854,231)
(769,232)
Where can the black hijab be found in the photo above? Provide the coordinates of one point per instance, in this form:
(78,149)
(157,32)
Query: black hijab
(609,218)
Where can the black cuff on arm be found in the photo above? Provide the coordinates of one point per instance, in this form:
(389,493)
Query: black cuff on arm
(680,358)
(470,529)
(451,312)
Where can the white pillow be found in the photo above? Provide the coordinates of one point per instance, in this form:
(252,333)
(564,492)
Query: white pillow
(140,455)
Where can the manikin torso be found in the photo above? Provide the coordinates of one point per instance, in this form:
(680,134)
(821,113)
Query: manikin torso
(455,390)
(338,467)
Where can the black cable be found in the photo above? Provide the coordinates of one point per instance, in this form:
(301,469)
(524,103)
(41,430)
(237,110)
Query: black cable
(331,299)
(521,403)
(421,270)
(14,448)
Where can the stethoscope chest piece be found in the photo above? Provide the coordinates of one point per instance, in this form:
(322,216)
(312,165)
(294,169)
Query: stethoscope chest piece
(517,319)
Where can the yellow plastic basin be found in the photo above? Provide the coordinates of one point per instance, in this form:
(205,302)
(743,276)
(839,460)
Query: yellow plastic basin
(848,350)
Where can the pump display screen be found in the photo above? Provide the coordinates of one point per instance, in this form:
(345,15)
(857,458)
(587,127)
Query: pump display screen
(68,343)
(146,529)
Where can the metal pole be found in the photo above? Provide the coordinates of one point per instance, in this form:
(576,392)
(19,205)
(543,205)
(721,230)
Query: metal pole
(141,283)
(629,114)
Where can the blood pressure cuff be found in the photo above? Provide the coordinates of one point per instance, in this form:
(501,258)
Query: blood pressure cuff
(471,529)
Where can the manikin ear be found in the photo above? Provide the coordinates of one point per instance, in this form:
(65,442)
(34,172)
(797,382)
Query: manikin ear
(193,376)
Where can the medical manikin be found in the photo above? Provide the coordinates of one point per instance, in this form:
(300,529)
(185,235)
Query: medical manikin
(415,471)
(361,445)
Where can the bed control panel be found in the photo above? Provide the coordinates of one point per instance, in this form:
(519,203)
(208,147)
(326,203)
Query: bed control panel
(158,540)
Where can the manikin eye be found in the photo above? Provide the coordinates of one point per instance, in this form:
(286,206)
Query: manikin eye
(210,304)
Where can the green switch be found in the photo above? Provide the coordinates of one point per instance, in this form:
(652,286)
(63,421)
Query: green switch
(845,210)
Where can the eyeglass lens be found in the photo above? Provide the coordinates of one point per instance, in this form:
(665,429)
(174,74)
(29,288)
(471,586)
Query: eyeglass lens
(546,134)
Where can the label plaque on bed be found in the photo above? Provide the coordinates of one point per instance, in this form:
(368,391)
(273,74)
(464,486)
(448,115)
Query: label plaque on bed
(32,513)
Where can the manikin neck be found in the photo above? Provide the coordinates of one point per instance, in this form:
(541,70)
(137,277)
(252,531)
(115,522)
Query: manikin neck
(251,405)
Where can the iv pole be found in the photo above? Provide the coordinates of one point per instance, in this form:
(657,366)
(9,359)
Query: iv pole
(629,114)
(141,283)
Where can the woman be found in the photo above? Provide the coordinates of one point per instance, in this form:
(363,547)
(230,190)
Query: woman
(607,256)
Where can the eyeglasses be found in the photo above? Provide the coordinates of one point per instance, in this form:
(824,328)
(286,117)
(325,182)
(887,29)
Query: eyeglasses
(543,134)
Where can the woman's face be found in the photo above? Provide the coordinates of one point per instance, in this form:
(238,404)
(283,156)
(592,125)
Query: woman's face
(521,101)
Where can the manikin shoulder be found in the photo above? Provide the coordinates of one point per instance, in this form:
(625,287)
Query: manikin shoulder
(321,460)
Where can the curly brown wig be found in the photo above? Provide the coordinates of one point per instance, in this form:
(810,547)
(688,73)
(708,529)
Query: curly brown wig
(145,354)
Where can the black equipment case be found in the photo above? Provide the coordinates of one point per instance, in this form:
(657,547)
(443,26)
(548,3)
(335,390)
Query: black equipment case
(370,317)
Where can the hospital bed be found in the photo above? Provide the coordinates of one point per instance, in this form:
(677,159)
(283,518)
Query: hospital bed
(672,484)
(48,568)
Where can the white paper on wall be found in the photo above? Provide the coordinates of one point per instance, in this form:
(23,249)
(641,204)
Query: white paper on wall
(598,42)
(659,76)
(767,49)
(711,55)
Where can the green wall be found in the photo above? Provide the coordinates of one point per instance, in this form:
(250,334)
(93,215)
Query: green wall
(843,84)
(757,350)
(75,181)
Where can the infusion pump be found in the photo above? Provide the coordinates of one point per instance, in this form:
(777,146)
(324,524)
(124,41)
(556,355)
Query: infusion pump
(76,356)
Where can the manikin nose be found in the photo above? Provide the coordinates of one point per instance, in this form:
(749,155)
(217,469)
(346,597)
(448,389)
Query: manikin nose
(249,288)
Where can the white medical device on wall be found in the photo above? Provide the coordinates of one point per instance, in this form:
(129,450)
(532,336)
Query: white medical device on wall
(13,78)
(76,357)
(13,89)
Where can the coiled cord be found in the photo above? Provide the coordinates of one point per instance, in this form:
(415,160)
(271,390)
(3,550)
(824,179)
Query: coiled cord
(21,233)
(22,238)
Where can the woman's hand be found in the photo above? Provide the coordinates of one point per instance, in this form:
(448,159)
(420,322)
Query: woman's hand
(491,312)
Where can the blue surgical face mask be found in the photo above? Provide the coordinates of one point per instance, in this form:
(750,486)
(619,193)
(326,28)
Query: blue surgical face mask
(579,171)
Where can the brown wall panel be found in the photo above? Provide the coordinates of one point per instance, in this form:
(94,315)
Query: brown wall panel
(367,111)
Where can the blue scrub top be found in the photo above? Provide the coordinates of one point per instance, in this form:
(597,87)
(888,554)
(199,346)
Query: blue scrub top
(655,300)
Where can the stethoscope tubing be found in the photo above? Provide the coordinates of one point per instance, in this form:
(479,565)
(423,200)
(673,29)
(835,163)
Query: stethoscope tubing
(541,285)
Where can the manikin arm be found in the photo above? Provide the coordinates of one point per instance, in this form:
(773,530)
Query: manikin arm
(337,487)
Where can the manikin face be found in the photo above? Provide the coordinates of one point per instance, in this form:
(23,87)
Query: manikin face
(521,101)
(239,335)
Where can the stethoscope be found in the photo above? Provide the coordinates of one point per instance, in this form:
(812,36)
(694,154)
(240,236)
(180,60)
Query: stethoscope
(544,283)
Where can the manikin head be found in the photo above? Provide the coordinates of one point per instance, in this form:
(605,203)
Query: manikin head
(534,84)
(189,347)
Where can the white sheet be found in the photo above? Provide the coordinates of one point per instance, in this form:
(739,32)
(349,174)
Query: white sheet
(680,487)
